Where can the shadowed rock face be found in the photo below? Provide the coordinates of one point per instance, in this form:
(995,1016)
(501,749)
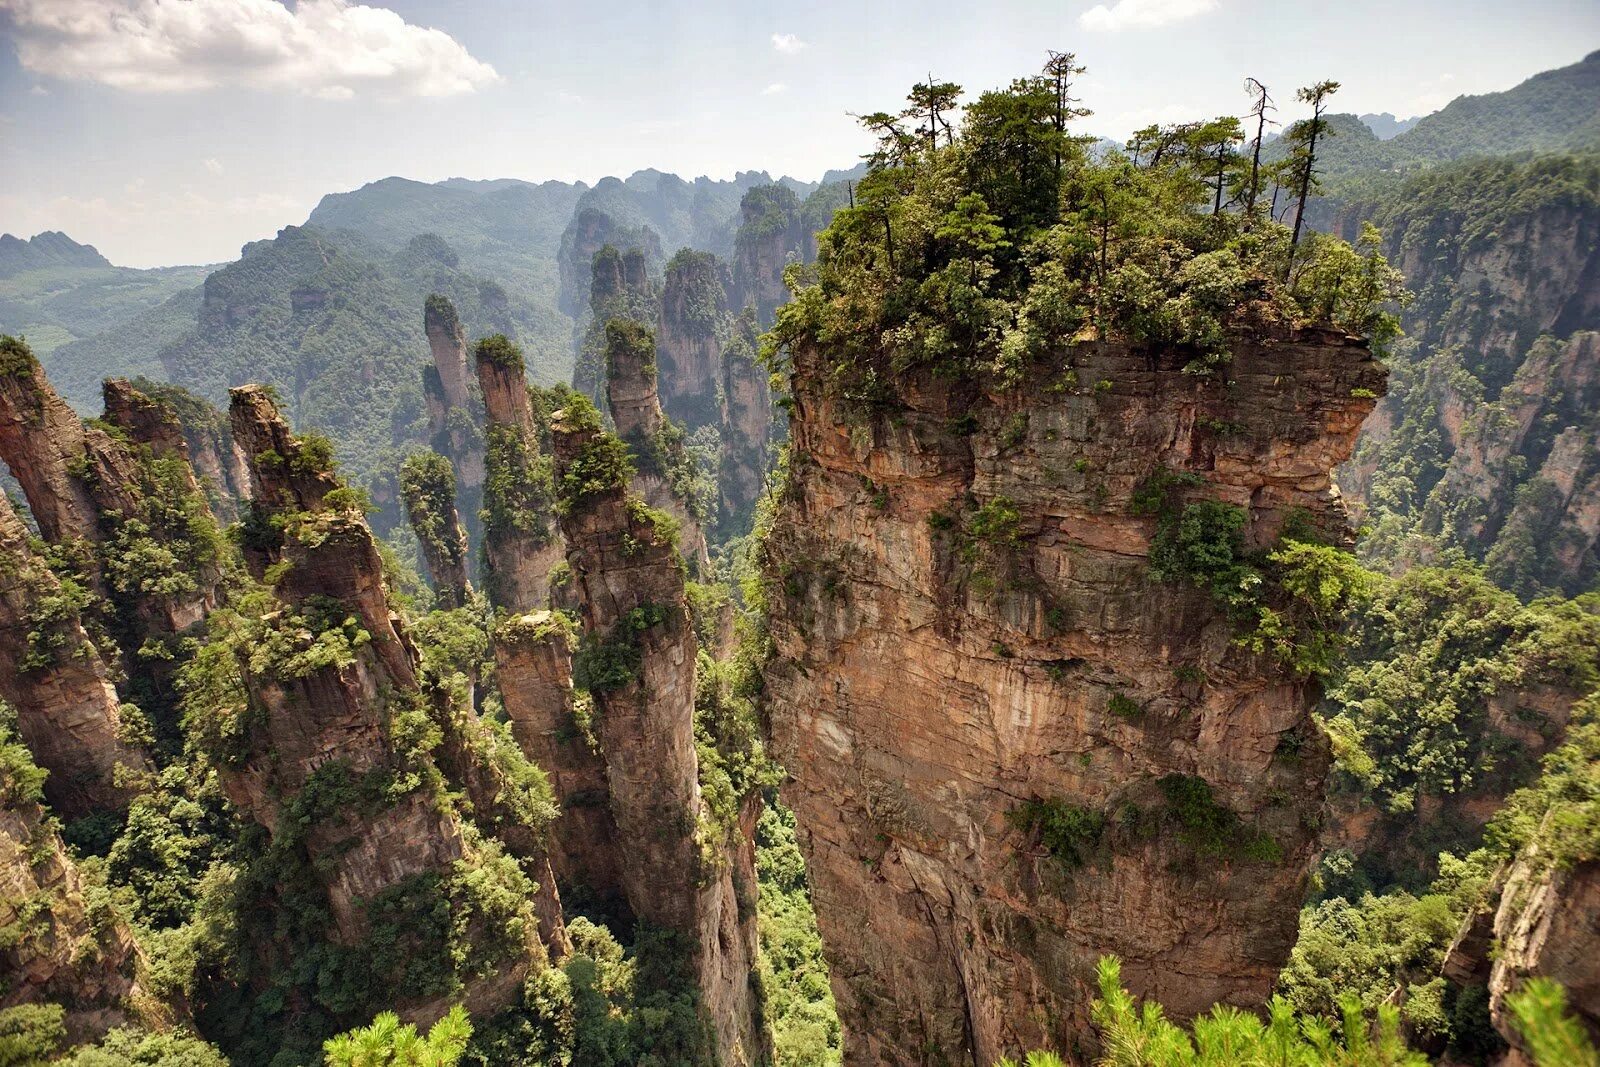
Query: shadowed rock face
(931,676)
(636,412)
(64,955)
(520,542)
(428,486)
(630,587)
(694,315)
(533,656)
(454,414)
(67,710)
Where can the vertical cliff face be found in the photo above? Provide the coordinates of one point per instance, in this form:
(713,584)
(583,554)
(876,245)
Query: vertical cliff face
(328,759)
(428,486)
(520,543)
(638,662)
(56,950)
(589,231)
(662,464)
(533,655)
(621,286)
(453,419)
(771,234)
(1480,444)
(693,321)
(41,439)
(67,710)
(747,426)
(971,651)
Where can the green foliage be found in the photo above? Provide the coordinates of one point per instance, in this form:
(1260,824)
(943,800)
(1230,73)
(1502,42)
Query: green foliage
(30,1034)
(1212,829)
(1069,832)
(1555,1038)
(1408,710)
(1135,1035)
(979,255)
(428,485)
(386,1042)
(603,664)
(129,1047)
(21,780)
(794,974)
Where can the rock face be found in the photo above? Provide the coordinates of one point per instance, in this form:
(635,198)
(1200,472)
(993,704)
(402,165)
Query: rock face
(965,624)
(589,231)
(56,950)
(335,712)
(747,427)
(67,709)
(690,334)
(1492,421)
(621,286)
(636,413)
(640,667)
(41,441)
(772,233)
(1543,920)
(520,544)
(428,485)
(326,722)
(533,655)
(454,419)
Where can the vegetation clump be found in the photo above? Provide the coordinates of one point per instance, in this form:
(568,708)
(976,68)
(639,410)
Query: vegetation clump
(1003,241)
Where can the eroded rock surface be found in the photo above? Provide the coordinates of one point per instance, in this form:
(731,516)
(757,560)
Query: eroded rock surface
(965,623)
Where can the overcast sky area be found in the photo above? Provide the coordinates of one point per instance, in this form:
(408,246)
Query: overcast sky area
(173,131)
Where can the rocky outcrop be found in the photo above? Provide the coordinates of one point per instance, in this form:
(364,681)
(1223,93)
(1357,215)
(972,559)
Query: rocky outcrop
(428,485)
(772,234)
(968,639)
(454,416)
(621,286)
(589,231)
(67,709)
(331,679)
(1542,920)
(638,663)
(1499,369)
(520,543)
(662,466)
(54,949)
(747,427)
(533,658)
(44,444)
(689,336)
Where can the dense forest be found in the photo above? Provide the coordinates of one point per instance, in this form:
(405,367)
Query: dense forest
(1021,600)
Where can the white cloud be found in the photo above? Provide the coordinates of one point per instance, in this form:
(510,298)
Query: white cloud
(212,166)
(38,90)
(787,43)
(324,48)
(774,89)
(1142,14)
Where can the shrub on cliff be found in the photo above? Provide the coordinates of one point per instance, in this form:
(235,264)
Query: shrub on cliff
(1011,240)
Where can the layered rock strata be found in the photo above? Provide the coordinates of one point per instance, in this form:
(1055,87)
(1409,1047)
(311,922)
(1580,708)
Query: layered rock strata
(966,631)
(639,664)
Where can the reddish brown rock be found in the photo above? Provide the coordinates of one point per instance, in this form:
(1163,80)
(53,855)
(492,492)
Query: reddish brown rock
(67,709)
(933,675)
(635,405)
(520,542)
(630,587)
(533,656)
(336,712)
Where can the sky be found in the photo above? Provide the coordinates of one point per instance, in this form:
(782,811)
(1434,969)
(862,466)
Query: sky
(174,131)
